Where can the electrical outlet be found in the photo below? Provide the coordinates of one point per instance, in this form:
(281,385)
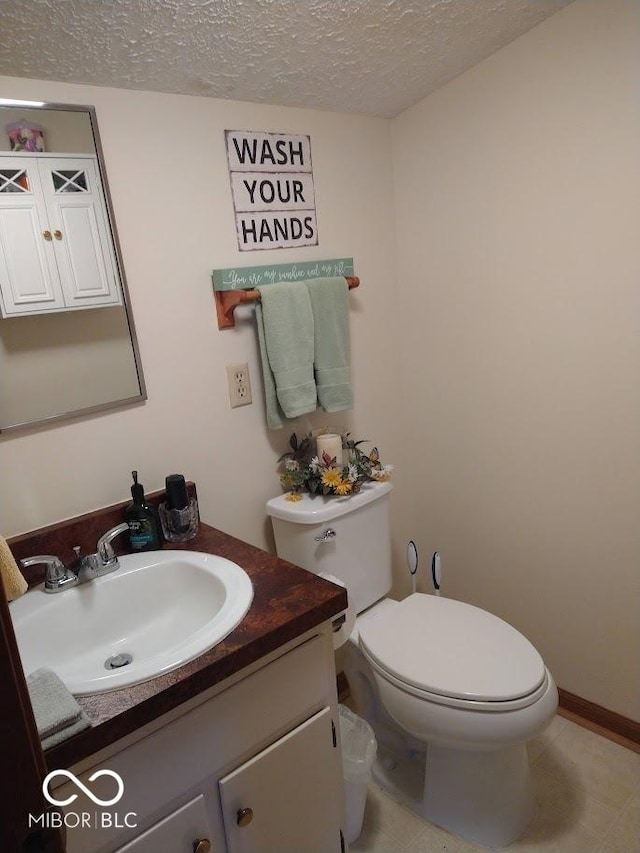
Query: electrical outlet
(239,385)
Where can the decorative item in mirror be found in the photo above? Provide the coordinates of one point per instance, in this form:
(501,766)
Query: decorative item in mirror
(26,136)
(341,471)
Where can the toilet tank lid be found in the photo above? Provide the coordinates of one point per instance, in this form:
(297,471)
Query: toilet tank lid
(316,509)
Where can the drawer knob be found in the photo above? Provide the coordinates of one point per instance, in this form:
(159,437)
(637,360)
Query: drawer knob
(46,235)
(203,845)
(57,234)
(245,816)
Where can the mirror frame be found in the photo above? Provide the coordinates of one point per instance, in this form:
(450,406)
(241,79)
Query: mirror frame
(114,404)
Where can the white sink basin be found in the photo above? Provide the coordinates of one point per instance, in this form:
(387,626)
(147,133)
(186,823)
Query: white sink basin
(162,608)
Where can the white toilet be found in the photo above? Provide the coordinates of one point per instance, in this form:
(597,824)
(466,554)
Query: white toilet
(452,692)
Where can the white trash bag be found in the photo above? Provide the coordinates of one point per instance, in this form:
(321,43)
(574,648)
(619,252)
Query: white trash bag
(358,753)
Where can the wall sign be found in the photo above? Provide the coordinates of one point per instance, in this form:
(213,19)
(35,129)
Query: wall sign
(272,188)
(246,278)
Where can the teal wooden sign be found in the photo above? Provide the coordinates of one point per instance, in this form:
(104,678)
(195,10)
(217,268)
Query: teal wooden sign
(246,278)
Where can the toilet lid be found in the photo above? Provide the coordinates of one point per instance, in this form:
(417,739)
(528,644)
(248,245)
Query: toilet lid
(452,649)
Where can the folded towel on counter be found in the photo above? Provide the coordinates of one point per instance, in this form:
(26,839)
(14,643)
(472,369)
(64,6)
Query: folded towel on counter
(332,360)
(285,334)
(83,722)
(12,580)
(58,715)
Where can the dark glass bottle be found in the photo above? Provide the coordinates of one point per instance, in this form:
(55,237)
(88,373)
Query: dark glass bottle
(142,520)
(179,513)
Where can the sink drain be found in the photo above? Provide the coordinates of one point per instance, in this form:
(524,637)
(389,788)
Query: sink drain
(117,661)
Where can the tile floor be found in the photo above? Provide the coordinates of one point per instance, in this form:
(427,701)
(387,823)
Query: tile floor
(588,791)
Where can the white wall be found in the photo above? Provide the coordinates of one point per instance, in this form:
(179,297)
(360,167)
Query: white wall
(168,176)
(518,205)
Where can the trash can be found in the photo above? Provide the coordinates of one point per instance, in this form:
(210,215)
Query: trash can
(358,752)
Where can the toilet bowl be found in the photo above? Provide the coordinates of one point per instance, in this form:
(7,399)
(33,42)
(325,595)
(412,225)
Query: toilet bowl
(452,692)
(458,692)
(453,673)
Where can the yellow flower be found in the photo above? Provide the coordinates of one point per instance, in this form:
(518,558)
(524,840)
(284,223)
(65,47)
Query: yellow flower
(343,488)
(293,496)
(332,478)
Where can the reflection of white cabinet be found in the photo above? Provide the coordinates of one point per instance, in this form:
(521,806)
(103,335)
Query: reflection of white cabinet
(56,252)
(254,768)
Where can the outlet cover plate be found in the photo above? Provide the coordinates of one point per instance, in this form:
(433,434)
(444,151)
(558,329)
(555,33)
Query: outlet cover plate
(239,385)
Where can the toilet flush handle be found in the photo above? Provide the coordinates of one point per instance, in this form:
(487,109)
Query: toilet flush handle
(327,536)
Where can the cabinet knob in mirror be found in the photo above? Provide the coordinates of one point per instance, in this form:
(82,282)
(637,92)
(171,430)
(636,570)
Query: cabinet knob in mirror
(203,845)
(245,816)
(57,234)
(46,235)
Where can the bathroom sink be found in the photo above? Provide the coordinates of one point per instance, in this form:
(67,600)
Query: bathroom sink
(159,610)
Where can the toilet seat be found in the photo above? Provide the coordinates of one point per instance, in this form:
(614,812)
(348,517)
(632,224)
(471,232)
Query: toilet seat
(453,653)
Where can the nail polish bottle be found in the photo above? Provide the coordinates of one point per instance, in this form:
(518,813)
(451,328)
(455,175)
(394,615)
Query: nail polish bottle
(179,512)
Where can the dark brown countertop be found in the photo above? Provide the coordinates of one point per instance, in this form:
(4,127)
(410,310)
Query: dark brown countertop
(287,602)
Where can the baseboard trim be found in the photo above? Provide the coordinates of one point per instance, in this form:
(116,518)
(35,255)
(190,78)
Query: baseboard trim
(609,721)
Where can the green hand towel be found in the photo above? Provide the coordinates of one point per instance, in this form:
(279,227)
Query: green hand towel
(285,332)
(275,416)
(330,307)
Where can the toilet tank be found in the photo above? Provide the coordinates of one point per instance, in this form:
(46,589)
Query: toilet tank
(360,552)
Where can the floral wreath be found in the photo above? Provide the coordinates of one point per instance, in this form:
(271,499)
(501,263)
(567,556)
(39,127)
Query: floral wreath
(304,471)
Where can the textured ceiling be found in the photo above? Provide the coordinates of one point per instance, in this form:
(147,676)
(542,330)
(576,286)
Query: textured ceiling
(373,57)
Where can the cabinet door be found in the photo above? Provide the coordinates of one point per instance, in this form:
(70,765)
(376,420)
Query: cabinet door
(289,797)
(81,238)
(29,281)
(180,832)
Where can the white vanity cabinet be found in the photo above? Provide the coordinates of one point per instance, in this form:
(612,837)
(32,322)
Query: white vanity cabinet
(254,768)
(56,252)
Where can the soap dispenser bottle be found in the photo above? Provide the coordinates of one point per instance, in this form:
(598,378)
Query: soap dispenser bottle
(142,520)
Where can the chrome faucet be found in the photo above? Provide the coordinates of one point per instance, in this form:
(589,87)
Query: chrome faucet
(57,577)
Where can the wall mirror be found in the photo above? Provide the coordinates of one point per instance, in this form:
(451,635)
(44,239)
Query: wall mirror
(67,339)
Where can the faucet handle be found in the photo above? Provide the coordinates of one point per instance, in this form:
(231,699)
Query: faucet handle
(54,570)
(56,575)
(105,549)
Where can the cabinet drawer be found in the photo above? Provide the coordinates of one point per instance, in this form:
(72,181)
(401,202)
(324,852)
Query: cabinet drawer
(179,832)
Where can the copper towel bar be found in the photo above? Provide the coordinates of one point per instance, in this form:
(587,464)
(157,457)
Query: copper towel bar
(228,300)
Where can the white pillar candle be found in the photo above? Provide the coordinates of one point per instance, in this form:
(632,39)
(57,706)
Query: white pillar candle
(330,444)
